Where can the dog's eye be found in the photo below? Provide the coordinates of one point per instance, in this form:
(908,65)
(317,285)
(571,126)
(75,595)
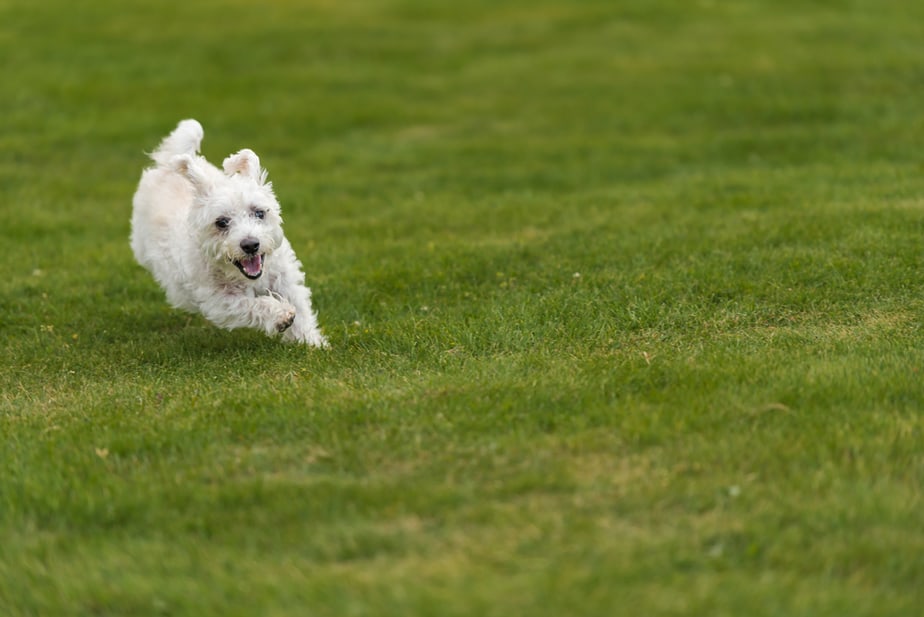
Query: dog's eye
(222,222)
(259,213)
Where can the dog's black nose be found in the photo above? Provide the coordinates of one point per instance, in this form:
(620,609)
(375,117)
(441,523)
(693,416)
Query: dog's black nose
(250,246)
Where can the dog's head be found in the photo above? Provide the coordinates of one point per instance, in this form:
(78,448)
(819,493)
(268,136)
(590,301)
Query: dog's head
(235,214)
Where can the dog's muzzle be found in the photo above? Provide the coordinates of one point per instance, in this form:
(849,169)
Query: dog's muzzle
(252,265)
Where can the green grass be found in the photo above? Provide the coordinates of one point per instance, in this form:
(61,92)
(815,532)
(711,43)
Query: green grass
(624,299)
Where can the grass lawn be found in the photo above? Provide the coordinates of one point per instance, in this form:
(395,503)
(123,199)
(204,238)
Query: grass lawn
(624,299)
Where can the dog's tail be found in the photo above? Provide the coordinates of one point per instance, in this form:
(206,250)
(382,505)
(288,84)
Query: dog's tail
(184,139)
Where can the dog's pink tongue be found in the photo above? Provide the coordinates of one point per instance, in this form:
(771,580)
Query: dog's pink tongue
(253,265)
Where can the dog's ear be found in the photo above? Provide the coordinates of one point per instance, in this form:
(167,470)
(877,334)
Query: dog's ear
(247,163)
(187,166)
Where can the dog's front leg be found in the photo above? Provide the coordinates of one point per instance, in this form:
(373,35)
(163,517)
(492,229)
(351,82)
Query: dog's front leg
(271,314)
(288,283)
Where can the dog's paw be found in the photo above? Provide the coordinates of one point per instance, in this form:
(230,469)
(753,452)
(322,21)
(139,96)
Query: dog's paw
(320,341)
(311,338)
(316,339)
(288,316)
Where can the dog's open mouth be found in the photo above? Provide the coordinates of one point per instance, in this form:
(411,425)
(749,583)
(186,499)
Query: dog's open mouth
(251,267)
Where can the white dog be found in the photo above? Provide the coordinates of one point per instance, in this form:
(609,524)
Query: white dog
(214,241)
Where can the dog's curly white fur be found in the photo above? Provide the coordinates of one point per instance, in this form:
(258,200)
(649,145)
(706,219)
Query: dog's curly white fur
(213,240)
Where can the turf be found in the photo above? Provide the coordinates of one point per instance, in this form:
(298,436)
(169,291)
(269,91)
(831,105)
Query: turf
(624,301)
